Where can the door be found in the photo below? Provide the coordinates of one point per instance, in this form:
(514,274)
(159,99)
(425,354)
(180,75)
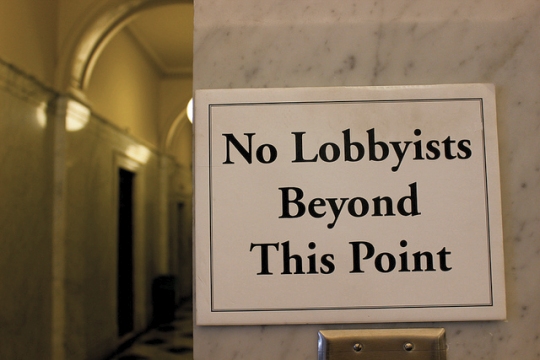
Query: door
(125,252)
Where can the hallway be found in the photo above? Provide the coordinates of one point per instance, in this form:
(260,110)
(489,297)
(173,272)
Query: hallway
(172,341)
(96,175)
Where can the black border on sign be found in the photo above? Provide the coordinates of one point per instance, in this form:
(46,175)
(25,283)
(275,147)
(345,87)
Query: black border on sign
(365,307)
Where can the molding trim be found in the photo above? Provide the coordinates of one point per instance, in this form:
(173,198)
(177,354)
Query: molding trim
(23,86)
(76,66)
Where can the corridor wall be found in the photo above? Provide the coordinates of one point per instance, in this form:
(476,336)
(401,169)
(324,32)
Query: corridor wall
(271,43)
(28,36)
(125,88)
(26,177)
(88,252)
(94,156)
(28,40)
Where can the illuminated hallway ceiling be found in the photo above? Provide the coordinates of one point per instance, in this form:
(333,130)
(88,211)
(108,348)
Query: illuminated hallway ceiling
(166,34)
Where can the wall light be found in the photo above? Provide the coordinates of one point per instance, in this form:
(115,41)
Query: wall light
(41,114)
(189,110)
(77,116)
(138,153)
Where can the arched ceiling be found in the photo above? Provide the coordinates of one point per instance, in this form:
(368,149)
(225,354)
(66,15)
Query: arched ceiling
(166,35)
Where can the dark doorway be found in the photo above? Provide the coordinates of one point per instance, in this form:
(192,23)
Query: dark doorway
(125,251)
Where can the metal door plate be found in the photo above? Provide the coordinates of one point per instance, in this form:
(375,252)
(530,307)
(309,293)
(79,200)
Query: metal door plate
(387,344)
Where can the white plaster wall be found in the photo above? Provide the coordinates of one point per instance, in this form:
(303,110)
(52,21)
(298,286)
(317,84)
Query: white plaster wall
(28,36)
(124,88)
(174,94)
(273,43)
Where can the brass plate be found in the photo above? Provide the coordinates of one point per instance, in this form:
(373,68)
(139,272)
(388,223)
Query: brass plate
(388,344)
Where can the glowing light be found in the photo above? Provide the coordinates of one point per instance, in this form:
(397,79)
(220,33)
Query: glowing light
(189,110)
(138,153)
(41,114)
(77,116)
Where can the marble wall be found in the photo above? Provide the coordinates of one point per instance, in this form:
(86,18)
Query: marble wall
(273,43)
(26,180)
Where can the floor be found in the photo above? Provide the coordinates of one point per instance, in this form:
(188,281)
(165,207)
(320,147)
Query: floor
(171,341)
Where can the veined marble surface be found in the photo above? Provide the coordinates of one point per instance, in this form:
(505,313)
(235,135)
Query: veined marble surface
(275,43)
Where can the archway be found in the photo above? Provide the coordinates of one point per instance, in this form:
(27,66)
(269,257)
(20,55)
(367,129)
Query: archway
(85,45)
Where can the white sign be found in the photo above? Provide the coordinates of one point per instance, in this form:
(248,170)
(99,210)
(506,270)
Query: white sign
(347,205)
